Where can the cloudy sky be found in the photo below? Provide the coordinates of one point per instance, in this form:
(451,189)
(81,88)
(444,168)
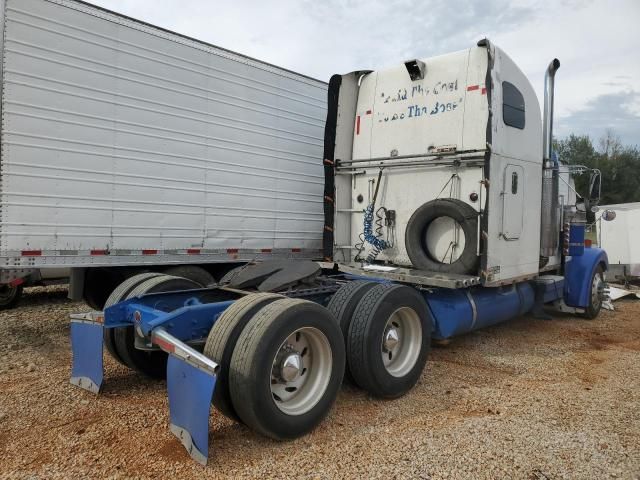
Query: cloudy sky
(598,85)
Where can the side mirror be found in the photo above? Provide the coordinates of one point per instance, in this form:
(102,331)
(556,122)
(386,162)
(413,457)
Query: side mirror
(608,215)
(595,184)
(589,209)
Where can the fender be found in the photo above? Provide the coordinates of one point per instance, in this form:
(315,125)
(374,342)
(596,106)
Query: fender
(578,273)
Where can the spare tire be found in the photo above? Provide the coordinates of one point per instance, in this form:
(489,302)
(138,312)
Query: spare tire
(422,247)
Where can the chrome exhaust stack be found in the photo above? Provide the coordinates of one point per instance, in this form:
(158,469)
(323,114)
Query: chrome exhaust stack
(549,215)
(547,128)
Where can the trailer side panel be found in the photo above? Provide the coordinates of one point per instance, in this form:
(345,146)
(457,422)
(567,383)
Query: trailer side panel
(123,138)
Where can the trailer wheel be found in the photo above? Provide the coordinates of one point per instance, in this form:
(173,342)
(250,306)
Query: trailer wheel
(99,283)
(9,296)
(419,230)
(287,368)
(595,295)
(222,340)
(152,363)
(192,272)
(119,294)
(389,340)
(342,306)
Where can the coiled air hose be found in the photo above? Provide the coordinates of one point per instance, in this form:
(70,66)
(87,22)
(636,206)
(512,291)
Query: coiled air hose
(378,244)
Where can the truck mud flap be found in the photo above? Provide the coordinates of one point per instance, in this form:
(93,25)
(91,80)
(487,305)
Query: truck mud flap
(191,379)
(87,332)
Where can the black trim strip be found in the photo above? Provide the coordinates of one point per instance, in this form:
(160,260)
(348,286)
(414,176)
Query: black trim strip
(484,218)
(333,95)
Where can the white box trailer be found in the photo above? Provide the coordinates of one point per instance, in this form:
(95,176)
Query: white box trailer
(124,144)
(620,239)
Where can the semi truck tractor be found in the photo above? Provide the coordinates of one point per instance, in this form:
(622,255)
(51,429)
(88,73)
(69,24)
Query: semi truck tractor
(445,211)
(127,148)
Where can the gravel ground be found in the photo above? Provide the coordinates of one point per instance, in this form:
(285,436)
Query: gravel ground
(528,399)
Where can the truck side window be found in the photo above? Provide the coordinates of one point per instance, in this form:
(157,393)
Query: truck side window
(514,183)
(512,106)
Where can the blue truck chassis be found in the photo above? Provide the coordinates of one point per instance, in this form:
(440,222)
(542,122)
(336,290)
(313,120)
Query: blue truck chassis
(179,323)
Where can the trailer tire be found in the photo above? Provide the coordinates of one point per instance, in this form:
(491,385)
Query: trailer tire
(289,339)
(119,294)
(222,341)
(122,290)
(99,283)
(416,232)
(342,306)
(383,309)
(192,272)
(595,301)
(151,363)
(10,296)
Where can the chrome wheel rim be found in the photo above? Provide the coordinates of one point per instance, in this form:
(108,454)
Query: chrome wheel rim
(401,341)
(300,371)
(597,289)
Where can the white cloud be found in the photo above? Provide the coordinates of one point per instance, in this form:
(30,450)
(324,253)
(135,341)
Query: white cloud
(605,112)
(595,40)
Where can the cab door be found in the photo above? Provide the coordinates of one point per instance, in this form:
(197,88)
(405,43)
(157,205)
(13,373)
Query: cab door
(513,202)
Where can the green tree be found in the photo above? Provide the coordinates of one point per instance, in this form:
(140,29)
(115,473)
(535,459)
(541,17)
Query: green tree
(619,164)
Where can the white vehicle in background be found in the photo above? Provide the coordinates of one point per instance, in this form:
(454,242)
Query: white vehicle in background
(128,148)
(621,240)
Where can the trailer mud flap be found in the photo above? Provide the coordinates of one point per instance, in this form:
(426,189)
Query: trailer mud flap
(87,332)
(190,392)
(191,379)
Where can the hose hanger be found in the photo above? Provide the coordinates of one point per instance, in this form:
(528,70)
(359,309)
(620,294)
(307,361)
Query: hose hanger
(378,244)
(375,192)
(451,188)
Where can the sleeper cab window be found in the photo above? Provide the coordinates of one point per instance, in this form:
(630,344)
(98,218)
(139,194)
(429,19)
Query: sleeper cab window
(512,106)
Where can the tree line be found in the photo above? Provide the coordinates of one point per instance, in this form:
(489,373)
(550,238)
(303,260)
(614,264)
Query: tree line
(619,164)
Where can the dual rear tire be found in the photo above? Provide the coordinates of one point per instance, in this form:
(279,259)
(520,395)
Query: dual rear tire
(387,333)
(222,340)
(282,362)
